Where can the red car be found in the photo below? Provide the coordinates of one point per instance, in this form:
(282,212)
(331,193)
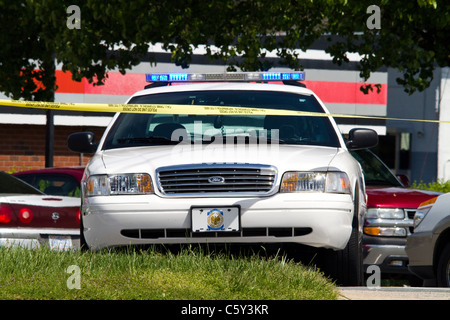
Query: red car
(30,218)
(64,181)
(390,213)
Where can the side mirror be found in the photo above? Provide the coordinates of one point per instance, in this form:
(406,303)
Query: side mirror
(361,138)
(82,142)
(404,180)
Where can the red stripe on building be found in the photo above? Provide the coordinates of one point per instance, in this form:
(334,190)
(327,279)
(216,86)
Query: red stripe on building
(118,84)
(347,92)
(66,84)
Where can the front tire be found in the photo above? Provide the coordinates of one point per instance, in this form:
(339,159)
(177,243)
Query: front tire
(346,266)
(83,244)
(443,268)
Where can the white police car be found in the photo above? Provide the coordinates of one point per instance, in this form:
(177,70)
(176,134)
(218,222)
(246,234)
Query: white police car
(232,177)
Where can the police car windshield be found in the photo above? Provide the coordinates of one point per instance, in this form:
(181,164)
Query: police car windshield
(161,129)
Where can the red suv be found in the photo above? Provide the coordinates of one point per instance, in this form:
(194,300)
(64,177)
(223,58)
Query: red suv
(390,212)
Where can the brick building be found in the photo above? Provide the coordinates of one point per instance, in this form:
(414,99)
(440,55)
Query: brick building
(22,146)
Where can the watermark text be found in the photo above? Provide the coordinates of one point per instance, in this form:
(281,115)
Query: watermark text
(74,281)
(74,20)
(374,20)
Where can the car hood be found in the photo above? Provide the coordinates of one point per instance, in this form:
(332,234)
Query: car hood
(397,197)
(148,159)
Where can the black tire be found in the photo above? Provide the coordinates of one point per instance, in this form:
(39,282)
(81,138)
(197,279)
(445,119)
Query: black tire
(83,244)
(415,281)
(443,268)
(346,266)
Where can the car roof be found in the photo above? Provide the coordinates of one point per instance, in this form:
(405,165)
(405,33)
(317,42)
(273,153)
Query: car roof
(225,86)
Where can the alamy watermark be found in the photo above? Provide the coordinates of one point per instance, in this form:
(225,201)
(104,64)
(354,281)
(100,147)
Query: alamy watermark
(374,280)
(74,280)
(74,20)
(225,147)
(374,20)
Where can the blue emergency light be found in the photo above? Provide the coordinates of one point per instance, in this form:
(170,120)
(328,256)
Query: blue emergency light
(228,76)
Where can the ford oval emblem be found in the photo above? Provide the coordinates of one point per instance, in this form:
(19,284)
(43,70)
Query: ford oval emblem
(216,179)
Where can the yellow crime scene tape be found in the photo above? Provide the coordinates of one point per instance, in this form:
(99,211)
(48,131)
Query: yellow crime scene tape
(185,109)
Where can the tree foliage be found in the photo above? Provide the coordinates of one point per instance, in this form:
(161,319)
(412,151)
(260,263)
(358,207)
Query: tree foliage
(116,34)
(27,68)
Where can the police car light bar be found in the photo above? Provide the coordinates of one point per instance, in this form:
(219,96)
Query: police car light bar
(229,76)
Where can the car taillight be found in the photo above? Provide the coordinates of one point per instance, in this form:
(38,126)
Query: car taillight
(78,217)
(6,214)
(25,215)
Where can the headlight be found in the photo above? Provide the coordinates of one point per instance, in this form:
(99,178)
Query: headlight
(419,215)
(337,182)
(422,211)
(385,213)
(132,183)
(97,186)
(386,231)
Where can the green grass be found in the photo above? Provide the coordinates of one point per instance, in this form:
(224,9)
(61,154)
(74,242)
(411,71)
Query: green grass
(190,274)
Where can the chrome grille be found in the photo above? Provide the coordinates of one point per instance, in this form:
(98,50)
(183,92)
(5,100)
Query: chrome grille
(215,179)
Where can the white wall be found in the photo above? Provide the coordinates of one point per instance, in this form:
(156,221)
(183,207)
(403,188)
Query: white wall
(444,128)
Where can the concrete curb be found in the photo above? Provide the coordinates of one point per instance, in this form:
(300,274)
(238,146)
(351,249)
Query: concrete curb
(393,293)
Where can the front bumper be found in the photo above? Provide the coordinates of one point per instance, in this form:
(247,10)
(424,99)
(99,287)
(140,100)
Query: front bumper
(420,250)
(387,253)
(318,220)
(33,238)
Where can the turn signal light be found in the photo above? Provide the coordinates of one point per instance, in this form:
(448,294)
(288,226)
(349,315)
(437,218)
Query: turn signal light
(373,231)
(385,231)
(428,202)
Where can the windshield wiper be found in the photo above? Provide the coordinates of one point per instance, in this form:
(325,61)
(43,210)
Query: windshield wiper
(156,140)
(385,183)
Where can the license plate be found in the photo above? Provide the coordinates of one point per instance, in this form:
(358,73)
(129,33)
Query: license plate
(60,243)
(213,219)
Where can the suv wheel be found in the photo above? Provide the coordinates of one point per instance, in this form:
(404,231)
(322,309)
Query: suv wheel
(443,268)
